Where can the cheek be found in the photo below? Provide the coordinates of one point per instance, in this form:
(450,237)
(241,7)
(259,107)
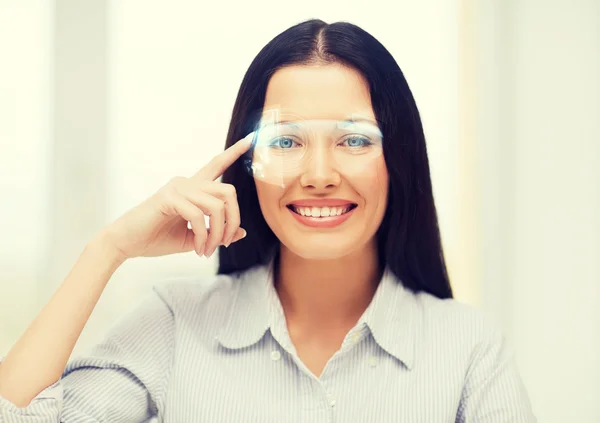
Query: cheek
(382,178)
(269,197)
(372,184)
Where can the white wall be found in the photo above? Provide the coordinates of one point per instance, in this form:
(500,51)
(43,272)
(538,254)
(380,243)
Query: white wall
(25,155)
(536,108)
(556,282)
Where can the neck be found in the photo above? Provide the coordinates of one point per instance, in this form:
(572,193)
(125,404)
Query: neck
(327,293)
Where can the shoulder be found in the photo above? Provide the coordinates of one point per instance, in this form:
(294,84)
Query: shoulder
(451,313)
(206,303)
(469,346)
(457,326)
(184,295)
(179,291)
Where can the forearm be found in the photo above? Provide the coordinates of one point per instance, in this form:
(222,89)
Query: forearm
(39,357)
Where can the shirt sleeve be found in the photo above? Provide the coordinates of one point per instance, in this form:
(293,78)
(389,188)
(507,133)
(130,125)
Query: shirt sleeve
(123,379)
(493,390)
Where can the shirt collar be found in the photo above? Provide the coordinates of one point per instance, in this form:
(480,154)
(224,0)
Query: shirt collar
(250,309)
(255,308)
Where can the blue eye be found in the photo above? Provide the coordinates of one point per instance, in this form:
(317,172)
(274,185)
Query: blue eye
(283,143)
(357,142)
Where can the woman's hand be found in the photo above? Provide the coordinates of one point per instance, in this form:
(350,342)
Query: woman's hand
(159,225)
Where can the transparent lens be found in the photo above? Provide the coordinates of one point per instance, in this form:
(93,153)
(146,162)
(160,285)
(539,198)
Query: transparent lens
(283,151)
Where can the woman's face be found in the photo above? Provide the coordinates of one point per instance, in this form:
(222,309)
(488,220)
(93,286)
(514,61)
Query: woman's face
(343,190)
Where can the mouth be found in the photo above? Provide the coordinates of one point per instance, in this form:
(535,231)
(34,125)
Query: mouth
(324,216)
(322,212)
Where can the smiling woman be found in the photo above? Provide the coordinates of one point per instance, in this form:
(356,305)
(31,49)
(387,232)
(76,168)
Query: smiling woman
(332,304)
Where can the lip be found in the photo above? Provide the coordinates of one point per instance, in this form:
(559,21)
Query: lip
(322,202)
(322,222)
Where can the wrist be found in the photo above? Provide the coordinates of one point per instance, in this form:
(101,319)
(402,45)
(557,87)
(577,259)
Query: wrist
(102,245)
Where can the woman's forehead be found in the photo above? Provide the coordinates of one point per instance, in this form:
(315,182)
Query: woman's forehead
(279,114)
(332,92)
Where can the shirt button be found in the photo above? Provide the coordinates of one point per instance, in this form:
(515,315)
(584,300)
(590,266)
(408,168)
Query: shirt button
(372,361)
(275,355)
(331,400)
(356,337)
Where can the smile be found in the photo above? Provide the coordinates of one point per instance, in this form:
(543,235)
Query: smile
(326,216)
(321,212)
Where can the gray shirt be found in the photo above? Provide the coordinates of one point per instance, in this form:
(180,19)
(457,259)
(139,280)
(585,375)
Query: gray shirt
(219,351)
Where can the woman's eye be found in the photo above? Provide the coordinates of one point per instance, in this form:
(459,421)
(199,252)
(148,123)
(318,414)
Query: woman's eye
(357,142)
(282,143)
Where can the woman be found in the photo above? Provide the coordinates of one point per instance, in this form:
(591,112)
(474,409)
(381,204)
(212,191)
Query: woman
(332,301)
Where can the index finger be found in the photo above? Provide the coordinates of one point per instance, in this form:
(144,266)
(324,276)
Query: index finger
(221,162)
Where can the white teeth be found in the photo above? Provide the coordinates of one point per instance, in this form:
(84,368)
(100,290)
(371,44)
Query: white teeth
(321,211)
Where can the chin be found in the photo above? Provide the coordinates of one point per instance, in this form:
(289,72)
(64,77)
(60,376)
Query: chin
(314,250)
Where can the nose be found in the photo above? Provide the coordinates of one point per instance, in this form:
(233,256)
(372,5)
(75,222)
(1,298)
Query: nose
(319,170)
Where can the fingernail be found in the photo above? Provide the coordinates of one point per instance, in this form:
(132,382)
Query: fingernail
(245,233)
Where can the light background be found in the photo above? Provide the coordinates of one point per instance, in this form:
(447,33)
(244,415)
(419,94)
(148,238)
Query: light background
(101,102)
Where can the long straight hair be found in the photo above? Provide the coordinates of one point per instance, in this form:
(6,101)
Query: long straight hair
(408,238)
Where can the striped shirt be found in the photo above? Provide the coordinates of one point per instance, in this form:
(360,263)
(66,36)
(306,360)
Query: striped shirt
(220,352)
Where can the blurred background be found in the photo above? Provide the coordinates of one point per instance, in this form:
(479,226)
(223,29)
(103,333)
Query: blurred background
(102,102)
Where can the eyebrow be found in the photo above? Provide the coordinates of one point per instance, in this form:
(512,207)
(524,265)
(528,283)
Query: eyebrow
(361,119)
